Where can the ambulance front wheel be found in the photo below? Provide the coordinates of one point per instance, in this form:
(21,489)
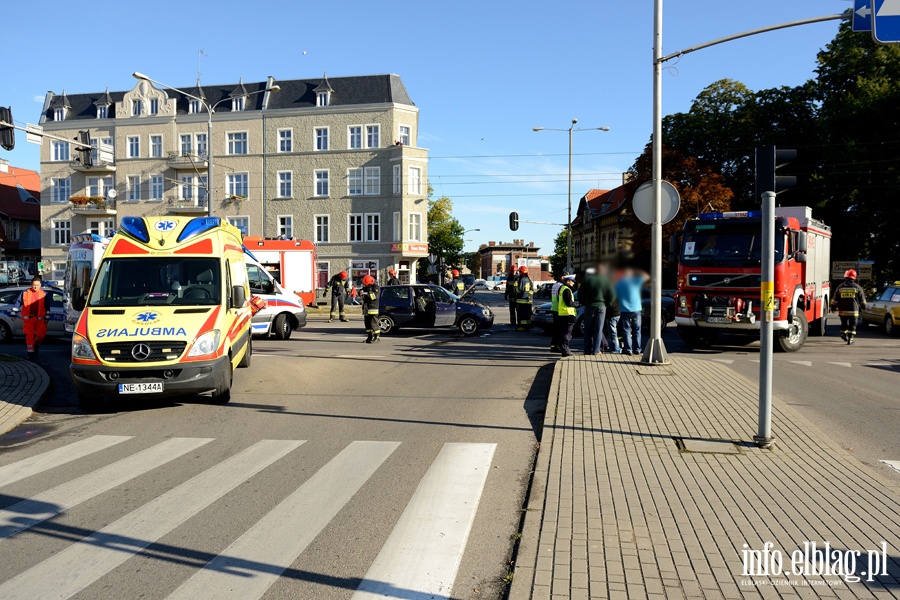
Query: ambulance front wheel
(282,327)
(222,394)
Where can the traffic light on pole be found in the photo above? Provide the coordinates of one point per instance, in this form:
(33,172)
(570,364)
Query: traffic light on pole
(87,156)
(768,160)
(513,221)
(7,132)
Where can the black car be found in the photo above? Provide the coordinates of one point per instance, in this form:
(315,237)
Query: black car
(429,306)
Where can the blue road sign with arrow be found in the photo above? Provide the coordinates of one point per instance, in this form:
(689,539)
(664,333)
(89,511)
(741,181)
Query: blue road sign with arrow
(886,21)
(862,15)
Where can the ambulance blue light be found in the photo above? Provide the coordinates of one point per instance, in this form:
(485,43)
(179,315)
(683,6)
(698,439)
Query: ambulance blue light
(198,226)
(248,253)
(135,227)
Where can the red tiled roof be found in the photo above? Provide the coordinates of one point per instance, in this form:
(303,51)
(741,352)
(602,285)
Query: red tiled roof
(607,201)
(11,195)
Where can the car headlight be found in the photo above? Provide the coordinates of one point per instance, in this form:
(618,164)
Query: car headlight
(486,312)
(205,344)
(81,347)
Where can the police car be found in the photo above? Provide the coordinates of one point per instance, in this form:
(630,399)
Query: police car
(883,310)
(11,324)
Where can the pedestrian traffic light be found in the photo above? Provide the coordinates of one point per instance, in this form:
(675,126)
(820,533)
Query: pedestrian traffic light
(768,160)
(513,221)
(7,132)
(87,156)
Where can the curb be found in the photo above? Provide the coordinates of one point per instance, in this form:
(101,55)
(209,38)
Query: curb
(526,558)
(24,386)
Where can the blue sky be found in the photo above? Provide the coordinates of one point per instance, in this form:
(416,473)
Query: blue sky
(482,74)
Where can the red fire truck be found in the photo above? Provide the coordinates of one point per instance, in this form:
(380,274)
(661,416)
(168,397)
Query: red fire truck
(719,276)
(290,262)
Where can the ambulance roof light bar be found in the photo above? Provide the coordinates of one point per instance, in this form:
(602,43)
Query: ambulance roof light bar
(135,227)
(197,226)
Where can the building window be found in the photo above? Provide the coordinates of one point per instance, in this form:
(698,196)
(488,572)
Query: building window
(107,141)
(237,143)
(134,188)
(322,99)
(194,107)
(134,146)
(285,140)
(355,228)
(373,227)
(237,104)
(321,138)
(398,181)
(200,138)
(285,184)
(156,187)
(12,232)
(242,223)
(186,145)
(154,106)
(60,232)
(415,227)
(97,186)
(237,184)
(404,135)
(59,114)
(103,111)
(156,146)
(321,182)
(372,136)
(61,189)
(355,182)
(202,189)
(373,181)
(323,234)
(60,151)
(285,226)
(136,108)
(187,187)
(398,227)
(354,137)
(415,180)
(102,228)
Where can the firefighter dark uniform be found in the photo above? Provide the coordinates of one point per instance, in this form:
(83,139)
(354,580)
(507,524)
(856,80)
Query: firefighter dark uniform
(456,286)
(339,286)
(565,311)
(32,308)
(525,291)
(392,278)
(848,299)
(369,297)
(512,291)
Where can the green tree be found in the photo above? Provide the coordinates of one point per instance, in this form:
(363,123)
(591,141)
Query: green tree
(558,258)
(473,262)
(445,233)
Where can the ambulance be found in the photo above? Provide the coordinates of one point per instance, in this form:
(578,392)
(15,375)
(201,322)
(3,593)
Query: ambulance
(82,260)
(284,312)
(167,312)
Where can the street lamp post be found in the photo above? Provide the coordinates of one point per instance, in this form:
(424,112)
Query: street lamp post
(571,129)
(210,184)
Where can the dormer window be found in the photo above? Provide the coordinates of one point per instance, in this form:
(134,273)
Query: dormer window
(59,114)
(237,104)
(154,106)
(136,108)
(103,111)
(322,99)
(194,107)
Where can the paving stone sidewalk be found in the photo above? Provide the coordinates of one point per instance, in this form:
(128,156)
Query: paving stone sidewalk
(619,510)
(22,385)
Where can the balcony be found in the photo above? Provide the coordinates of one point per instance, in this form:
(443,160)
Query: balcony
(98,166)
(186,162)
(186,206)
(92,205)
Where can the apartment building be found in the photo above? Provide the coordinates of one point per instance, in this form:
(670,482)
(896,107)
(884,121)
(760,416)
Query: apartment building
(332,160)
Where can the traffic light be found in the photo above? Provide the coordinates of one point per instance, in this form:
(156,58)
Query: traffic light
(7,133)
(768,160)
(87,156)
(513,221)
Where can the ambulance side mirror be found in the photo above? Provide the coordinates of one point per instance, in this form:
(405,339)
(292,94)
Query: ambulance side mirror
(78,300)
(238,296)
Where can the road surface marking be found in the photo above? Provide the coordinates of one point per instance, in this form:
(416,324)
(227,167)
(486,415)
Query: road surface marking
(841,364)
(894,464)
(421,556)
(723,360)
(46,505)
(756,360)
(60,456)
(249,566)
(79,565)
(805,363)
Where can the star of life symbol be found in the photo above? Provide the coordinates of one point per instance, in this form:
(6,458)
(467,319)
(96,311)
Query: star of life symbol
(146,317)
(166,225)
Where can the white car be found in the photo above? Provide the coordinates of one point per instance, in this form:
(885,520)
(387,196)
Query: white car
(481,284)
(11,324)
(501,286)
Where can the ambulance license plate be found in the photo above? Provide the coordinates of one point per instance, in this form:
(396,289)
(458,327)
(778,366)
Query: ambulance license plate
(141,388)
(717,319)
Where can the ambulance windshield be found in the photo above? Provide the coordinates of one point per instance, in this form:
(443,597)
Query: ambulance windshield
(157,281)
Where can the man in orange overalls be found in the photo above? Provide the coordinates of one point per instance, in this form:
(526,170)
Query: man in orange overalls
(32,307)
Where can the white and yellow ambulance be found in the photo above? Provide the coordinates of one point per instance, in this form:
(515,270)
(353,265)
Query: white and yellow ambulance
(167,312)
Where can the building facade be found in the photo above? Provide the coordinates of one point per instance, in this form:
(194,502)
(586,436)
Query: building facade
(498,257)
(600,229)
(20,219)
(331,160)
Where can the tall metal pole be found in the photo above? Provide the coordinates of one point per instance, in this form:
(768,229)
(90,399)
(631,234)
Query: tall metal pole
(211,184)
(569,220)
(655,351)
(764,437)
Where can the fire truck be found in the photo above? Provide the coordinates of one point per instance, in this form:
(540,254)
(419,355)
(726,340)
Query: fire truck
(292,263)
(719,265)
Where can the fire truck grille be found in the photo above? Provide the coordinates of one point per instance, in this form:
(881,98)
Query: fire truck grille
(720,280)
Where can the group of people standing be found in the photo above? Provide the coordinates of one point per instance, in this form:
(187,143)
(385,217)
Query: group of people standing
(341,288)
(520,295)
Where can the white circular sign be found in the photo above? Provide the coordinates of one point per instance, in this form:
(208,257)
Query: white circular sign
(165,225)
(642,203)
(111,193)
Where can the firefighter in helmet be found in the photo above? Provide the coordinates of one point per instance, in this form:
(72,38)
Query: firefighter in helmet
(339,287)
(457,285)
(369,296)
(848,299)
(34,312)
(392,278)
(512,291)
(525,291)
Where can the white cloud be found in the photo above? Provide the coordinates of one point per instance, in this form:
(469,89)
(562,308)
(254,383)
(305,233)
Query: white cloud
(39,99)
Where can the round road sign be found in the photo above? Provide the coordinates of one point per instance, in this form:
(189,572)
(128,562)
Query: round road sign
(642,203)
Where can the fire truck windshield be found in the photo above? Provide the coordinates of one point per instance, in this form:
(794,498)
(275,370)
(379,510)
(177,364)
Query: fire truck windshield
(733,244)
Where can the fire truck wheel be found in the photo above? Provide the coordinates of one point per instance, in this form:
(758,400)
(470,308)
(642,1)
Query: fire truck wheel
(817,327)
(792,339)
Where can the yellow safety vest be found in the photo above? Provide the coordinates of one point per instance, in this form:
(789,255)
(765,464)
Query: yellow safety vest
(563,310)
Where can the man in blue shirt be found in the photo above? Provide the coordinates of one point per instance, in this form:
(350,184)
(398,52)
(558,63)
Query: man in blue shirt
(628,290)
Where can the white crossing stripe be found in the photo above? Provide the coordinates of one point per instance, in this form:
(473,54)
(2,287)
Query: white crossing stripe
(249,566)
(26,513)
(841,364)
(805,363)
(423,552)
(894,464)
(756,360)
(723,360)
(68,572)
(60,456)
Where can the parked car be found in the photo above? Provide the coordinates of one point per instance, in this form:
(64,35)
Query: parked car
(883,310)
(481,284)
(500,286)
(11,324)
(426,306)
(542,290)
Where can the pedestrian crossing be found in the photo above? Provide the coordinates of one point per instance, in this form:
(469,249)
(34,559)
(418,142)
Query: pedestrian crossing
(420,557)
(790,363)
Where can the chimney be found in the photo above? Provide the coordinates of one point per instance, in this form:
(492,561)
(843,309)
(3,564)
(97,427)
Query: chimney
(492,244)
(531,244)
